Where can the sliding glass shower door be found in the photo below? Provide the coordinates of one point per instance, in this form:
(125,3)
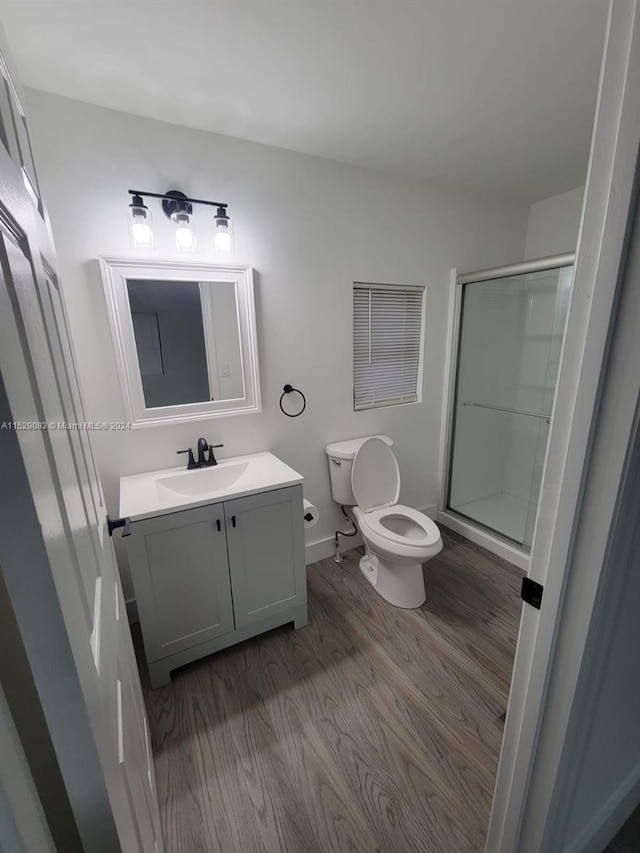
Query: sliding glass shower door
(509,351)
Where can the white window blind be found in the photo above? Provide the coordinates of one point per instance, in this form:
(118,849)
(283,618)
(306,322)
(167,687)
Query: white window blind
(387,334)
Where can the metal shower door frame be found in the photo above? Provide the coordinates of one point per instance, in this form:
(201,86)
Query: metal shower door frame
(457,283)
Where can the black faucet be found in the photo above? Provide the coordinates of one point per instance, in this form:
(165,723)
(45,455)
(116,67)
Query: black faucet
(203,453)
(206,456)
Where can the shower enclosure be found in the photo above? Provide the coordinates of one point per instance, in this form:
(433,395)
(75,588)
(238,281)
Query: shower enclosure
(511,325)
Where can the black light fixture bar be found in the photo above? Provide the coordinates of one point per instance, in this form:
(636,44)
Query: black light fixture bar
(170,197)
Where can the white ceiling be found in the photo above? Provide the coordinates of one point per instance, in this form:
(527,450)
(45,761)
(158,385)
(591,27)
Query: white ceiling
(490,95)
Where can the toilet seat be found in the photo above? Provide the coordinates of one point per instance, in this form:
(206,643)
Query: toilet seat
(375,481)
(377,522)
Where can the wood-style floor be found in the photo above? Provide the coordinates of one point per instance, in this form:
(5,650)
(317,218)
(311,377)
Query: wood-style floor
(372,729)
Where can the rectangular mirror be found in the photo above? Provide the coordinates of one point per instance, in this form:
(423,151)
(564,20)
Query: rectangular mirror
(184,337)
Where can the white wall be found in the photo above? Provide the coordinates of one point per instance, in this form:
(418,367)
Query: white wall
(309,227)
(553,225)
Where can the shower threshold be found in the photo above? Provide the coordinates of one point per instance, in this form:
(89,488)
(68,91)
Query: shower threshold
(489,521)
(500,513)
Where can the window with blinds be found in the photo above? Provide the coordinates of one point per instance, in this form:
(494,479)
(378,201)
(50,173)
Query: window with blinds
(387,344)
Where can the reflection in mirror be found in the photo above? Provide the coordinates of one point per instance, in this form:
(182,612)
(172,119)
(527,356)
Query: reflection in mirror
(187,340)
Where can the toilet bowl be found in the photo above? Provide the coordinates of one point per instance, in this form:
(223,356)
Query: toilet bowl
(397,538)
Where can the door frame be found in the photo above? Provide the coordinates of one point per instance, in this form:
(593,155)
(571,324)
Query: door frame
(528,770)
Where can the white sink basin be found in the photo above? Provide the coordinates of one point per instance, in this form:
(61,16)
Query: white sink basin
(174,489)
(202,481)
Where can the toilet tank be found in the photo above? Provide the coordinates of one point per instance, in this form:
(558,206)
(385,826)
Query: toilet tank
(341,455)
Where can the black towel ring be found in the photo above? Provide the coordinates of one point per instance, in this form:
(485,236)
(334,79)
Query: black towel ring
(287,390)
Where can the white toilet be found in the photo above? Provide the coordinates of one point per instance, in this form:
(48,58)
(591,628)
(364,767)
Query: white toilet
(397,539)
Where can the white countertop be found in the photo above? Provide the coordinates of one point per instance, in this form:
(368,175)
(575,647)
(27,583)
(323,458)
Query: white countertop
(144,496)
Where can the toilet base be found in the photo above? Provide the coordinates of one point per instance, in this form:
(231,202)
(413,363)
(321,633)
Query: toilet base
(400,584)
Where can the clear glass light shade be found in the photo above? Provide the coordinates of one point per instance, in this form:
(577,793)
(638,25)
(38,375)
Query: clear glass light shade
(141,235)
(140,231)
(185,240)
(223,237)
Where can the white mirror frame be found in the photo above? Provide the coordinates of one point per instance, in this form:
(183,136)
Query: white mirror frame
(115,272)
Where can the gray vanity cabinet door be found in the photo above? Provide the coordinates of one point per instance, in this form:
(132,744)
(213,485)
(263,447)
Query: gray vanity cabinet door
(265,538)
(181,577)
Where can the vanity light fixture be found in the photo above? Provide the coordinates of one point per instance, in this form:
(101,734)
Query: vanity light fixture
(179,209)
(140,224)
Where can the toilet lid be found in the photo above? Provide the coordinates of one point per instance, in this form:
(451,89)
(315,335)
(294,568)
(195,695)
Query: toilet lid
(375,477)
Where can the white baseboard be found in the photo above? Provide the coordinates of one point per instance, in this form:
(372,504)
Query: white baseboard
(322,548)
(606,822)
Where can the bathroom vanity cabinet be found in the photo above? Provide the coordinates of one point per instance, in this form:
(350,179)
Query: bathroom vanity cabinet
(210,576)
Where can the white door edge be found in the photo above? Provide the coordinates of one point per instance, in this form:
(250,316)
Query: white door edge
(601,245)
